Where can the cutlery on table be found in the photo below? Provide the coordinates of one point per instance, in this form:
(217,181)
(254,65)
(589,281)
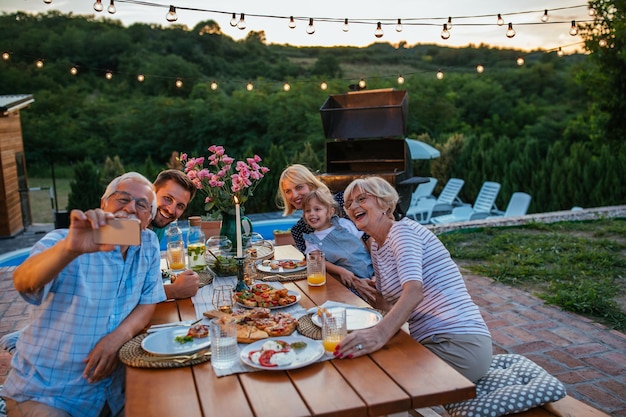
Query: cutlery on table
(178,358)
(186,323)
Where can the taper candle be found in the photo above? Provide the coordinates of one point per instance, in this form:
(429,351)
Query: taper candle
(238,225)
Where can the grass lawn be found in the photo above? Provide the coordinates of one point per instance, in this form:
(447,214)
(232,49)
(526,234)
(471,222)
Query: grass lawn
(41,202)
(579,266)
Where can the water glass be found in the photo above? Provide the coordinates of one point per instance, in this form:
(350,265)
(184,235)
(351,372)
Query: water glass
(223,298)
(316,268)
(334,327)
(224,350)
(175,256)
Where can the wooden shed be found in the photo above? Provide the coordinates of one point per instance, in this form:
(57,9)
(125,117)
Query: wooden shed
(15,213)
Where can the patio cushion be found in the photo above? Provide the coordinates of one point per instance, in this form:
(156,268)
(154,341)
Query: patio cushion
(513,384)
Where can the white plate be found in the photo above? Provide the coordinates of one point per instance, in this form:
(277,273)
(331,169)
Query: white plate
(281,270)
(357,318)
(163,343)
(310,354)
(297,294)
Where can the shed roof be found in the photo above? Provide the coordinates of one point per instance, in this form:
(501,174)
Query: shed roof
(14,102)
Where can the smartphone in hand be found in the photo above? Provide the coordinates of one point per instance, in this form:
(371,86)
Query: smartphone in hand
(119,232)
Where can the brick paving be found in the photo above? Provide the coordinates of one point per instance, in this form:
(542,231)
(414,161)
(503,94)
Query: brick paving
(587,357)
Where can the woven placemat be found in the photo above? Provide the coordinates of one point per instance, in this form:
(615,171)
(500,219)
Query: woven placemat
(268,276)
(308,329)
(206,277)
(132,354)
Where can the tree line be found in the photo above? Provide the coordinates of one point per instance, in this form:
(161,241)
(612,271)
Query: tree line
(537,128)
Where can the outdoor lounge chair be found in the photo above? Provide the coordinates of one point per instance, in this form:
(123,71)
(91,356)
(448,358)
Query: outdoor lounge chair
(424,190)
(448,198)
(518,206)
(482,208)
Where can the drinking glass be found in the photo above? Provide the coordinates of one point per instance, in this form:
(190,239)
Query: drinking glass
(316,268)
(224,350)
(223,298)
(175,256)
(334,327)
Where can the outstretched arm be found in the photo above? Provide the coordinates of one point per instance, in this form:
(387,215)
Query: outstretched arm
(37,270)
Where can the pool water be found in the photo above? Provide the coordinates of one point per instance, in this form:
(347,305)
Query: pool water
(14,258)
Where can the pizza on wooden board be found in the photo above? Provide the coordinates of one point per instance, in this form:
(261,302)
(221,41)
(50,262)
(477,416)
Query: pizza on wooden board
(257,323)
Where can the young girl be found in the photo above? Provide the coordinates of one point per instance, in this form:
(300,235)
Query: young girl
(346,255)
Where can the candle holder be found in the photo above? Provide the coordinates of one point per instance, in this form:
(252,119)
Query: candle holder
(241,282)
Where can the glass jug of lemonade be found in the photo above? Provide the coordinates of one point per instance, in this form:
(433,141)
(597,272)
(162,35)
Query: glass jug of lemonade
(196,245)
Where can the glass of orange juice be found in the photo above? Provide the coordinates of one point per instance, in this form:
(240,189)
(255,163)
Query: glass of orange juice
(316,268)
(334,327)
(175,256)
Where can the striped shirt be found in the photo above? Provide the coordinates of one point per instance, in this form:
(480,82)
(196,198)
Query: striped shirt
(413,253)
(91,296)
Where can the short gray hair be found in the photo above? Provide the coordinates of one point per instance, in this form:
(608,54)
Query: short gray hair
(135,176)
(386,196)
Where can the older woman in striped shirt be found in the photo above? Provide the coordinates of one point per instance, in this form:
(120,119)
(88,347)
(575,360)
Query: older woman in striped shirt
(416,281)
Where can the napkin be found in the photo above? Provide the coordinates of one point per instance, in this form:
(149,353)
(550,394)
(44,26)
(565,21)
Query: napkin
(328,304)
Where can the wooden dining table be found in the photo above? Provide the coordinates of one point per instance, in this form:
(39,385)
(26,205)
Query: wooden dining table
(401,376)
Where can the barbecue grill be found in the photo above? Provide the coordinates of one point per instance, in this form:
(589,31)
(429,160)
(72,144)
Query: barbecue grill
(366,131)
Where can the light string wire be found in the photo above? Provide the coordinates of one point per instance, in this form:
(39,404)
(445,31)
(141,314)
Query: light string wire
(411,21)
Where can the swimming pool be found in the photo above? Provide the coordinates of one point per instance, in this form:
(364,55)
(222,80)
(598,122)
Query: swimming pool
(264,227)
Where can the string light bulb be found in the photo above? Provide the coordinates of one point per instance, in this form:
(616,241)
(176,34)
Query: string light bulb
(233,20)
(111,9)
(559,52)
(74,70)
(323,85)
(108,75)
(591,11)
(310,29)
(449,23)
(213,85)
(47,1)
(39,63)
(6,56)
(362,83)
(400,79)
(399,26)
(500,20)
(171,15)
(445,33)
(346,26)
(573,30)
(520,61)
(544,18)
(249,86)
(286,86)
(480,68)
(179,83)
(141,78)
(379,31)
(439,75)
(241,24)
(510,32)
(97,6)
(292,23)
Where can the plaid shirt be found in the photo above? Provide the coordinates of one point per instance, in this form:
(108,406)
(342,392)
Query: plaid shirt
(85,302)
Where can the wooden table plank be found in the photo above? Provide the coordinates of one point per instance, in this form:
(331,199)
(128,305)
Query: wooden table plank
(429,380)
(272,394)
(381,394)
(326,391)
(161,392)
(218,395)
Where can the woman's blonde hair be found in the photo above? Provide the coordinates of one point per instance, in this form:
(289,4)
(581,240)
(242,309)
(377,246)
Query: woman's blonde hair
(297,174)
(386,196)
(325,198)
